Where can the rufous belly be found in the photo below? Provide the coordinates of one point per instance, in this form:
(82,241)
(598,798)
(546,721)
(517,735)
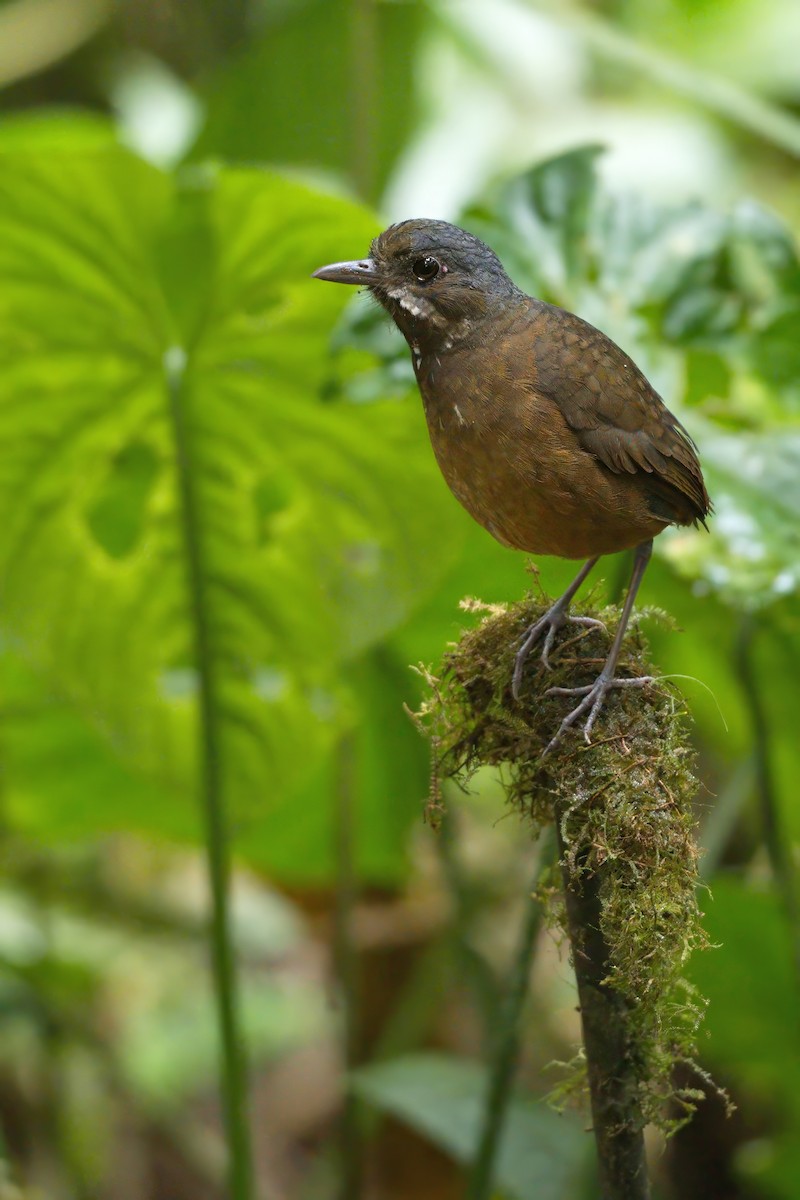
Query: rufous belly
(529,484)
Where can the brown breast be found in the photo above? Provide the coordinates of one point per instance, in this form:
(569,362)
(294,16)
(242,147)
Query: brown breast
(520,466)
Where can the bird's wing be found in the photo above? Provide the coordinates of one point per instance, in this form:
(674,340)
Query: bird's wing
(617,416)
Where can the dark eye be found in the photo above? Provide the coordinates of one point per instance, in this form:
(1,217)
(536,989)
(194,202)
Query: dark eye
(426,268)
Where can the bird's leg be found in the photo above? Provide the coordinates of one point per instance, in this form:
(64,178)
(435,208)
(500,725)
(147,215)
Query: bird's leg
(594,694)
(549,625)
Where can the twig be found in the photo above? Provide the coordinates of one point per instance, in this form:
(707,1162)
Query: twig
(622,810)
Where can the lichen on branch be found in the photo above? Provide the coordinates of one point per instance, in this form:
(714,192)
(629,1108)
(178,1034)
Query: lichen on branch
(623,807)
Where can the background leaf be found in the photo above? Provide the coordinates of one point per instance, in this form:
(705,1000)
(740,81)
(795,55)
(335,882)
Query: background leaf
(754,966)
(542,1155)
(355,49)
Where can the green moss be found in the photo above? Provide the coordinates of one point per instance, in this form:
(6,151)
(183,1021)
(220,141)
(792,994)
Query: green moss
(624,805)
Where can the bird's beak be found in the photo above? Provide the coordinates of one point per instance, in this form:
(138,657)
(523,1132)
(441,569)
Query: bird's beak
(364,272)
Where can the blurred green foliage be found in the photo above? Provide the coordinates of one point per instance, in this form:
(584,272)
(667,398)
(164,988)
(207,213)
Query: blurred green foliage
(158,329)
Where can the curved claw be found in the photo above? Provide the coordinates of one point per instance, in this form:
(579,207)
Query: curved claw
(594,695)
(548,644)
(590,621)
(529,639)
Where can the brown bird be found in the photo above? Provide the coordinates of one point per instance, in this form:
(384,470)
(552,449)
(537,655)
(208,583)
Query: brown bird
(545,430)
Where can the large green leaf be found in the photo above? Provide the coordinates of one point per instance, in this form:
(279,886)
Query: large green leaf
(182,506)
(542,1156)
(62,779)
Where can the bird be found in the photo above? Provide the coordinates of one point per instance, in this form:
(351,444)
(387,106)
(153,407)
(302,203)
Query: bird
(545,430)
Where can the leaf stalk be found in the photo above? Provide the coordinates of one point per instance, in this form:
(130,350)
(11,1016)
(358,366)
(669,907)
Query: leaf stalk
(233,1082)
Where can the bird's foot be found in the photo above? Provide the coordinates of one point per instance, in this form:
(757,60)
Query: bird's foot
(594,695)
(548,626)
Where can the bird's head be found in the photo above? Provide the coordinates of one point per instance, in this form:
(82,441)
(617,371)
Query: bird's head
(437,281)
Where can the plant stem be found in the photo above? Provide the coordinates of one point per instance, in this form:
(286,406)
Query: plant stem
(721,96)
(506,1051)
(610,1052)
(363,96)
(233,1084)
(721,818)
(227,22)
(346,967)
(775,837)
(472,966)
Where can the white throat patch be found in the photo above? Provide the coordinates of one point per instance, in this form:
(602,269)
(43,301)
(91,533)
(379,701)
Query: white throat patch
(417,306)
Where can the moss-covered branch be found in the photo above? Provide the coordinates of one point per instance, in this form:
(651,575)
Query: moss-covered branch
(628,861)
(611,1051)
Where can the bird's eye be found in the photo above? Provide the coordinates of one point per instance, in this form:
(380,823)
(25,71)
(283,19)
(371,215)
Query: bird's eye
(426,268)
